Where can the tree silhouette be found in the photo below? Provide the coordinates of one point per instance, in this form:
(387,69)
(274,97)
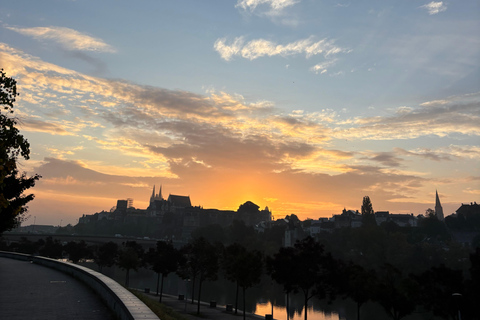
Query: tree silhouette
(358,284)
(164,259)
(368,215)
(280,268)
(51,248)
(77,250)
(128,259)
(243,267)
(202,262)
(12,147)
(309,267)
(106,254)
(437,286)
(396,294)
(229,264)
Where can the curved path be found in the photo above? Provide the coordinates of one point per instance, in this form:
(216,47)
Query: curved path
(32,291)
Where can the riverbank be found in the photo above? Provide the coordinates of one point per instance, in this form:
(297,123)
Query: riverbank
(189,310)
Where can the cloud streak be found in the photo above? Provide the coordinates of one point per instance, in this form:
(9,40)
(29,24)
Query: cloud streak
(68,38)
(258,48)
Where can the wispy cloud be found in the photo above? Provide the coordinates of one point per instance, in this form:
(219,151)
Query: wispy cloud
(258,48)
(68,38)
(322,67)
(434,7)
(275,6)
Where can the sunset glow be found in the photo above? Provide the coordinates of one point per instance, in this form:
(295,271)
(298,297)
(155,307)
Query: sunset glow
(304,107)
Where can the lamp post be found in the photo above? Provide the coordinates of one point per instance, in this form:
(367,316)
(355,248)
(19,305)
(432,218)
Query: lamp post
(186,293)
(457,297)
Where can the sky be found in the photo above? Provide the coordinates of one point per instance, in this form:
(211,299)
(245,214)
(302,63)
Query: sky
(304,106)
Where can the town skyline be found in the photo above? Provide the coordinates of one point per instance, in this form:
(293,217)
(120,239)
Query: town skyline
(302,106)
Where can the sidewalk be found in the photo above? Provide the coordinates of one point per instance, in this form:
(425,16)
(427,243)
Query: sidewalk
(206,312)
(32,291)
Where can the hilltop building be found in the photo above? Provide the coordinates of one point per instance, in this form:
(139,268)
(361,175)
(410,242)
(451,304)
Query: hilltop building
(438,208)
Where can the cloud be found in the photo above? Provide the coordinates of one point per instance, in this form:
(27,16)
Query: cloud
(139,135)
(460,115)
(275,6)
(259,48)
(388,159)
(322,67)
(68,38)
(434,7)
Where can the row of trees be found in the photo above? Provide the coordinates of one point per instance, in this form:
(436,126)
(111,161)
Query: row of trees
(306,269)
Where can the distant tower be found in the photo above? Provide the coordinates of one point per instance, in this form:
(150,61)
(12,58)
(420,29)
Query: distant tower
(156,196)
(438,208)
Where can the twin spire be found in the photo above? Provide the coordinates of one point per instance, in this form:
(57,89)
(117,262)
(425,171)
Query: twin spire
(156,196)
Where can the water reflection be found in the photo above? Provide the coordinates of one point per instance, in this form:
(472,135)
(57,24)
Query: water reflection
(279,313)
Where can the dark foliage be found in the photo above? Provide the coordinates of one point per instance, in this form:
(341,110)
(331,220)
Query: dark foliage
(13,146)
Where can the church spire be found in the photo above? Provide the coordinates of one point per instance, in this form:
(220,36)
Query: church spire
(438,207)
(153,195)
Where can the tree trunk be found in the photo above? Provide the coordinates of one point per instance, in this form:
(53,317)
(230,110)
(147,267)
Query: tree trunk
(193,288)
(288,305)
(358,310)
(161,290)
(199,295)
(243,302)
(158,280)
(306,306)
(126,278)
(236,300)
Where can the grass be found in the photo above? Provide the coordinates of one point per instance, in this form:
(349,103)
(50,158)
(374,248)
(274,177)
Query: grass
(161,310)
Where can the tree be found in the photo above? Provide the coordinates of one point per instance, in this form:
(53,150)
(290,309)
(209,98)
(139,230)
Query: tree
(12,147)
(437,286)
(106,254)
(202,262)
(357,284)
(128,259)
(280,268)
(396,294)
(368,215)
(307,268)
(249,271)
(50,248)
(164,259)
(77,250)
(243,267)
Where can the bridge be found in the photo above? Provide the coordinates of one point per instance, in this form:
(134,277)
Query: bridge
(145,242)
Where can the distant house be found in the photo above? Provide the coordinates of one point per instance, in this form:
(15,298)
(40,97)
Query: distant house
(404,220)
(381,217)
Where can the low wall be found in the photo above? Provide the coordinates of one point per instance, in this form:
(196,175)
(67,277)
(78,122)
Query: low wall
(121,301)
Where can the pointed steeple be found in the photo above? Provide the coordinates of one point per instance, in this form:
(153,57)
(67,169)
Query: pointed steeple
(438,207)
(153,195)
(160,193)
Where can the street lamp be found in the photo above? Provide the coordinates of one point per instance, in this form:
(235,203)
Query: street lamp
(457,297)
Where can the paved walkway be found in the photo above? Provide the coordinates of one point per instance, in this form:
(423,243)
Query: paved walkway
(30,291)
(206,312)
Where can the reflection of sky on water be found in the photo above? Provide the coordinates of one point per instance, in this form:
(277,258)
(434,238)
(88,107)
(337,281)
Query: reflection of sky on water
(279,313)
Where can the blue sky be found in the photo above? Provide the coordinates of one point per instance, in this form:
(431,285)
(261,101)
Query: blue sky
(300,105)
